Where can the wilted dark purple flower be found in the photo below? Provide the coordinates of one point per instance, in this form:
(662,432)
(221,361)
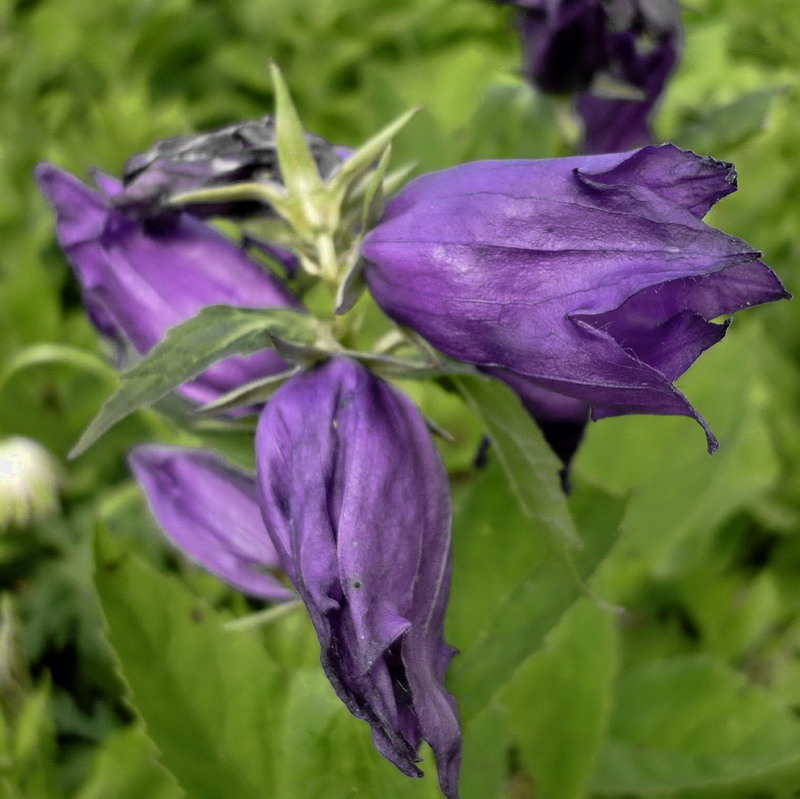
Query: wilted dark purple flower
(210,511)
(139,278)
(236,153)
(574,45)
(590,277)
(356,499)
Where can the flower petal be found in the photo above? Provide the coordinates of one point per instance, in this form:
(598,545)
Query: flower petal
(356,498)
(144,277)
(209,510)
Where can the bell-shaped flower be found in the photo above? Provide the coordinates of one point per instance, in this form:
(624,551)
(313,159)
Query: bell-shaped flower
(615,55)
(356,499)
(141,277)
(592,277)
(243,152)
(209,510)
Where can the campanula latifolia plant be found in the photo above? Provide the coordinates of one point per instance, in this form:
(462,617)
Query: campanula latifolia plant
(586,284)
(613,56)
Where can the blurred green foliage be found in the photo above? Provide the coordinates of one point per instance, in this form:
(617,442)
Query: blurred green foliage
(677,674)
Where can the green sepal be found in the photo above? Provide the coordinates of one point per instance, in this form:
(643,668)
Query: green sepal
(298,168)
(216,333)
(362,160)
(249,394)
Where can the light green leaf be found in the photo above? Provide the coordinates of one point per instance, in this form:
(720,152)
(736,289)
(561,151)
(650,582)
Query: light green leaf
(210,699)
(719,128)
(691,722)
(560,702)
(217,332)
(328,754)
(510,585)
(679,500)
(46,353)
(248,394)
(485,766)
(530,465)
(125,767)
(365,156)
(298,167)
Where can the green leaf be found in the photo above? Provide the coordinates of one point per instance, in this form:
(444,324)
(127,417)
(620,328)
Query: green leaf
(365,156)
(719,128)
(38,354)
(298,167)
(530,465)
(485,765)
(560,702)
(351,287)
(327,754)
(510,584)
(210,699)
(678,501)
(217,332)
(125,767)
(692,722)
(248,394)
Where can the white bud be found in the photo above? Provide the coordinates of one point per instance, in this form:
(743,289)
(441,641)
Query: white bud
(30,478)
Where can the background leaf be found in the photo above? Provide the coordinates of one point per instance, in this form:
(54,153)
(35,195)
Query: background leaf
(209,699)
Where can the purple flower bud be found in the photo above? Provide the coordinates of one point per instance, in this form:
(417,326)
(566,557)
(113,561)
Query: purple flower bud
(209,510)
(355,497)
(236,153)
(140,278)
(590,277)
(569,44)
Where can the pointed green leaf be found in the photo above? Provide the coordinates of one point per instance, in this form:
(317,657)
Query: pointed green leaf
(249,394)
(270,194)
(500,614)
(692,722)
(125,767)
(485,766)
(298,167)
(327,754)
(530,465)
(373,196)
(188,349)
(210,699)
(351,287)
(560,702)
(366,155)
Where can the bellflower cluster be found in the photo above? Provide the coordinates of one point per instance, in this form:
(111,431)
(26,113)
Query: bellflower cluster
(614,55)
(587,284)
(141,276)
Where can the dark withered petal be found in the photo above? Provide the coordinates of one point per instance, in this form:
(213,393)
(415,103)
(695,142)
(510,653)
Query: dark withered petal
(356,498)
(245,151)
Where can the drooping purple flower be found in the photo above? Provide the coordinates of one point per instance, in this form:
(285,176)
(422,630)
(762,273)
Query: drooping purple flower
(141,277)
(574,45)
(243,152)
(355,497)
(209,510)
(592,278)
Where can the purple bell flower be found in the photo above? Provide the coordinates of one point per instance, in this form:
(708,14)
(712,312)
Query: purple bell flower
(590,278)
(568,44)
(356,499)
(141,277)
(209,510)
